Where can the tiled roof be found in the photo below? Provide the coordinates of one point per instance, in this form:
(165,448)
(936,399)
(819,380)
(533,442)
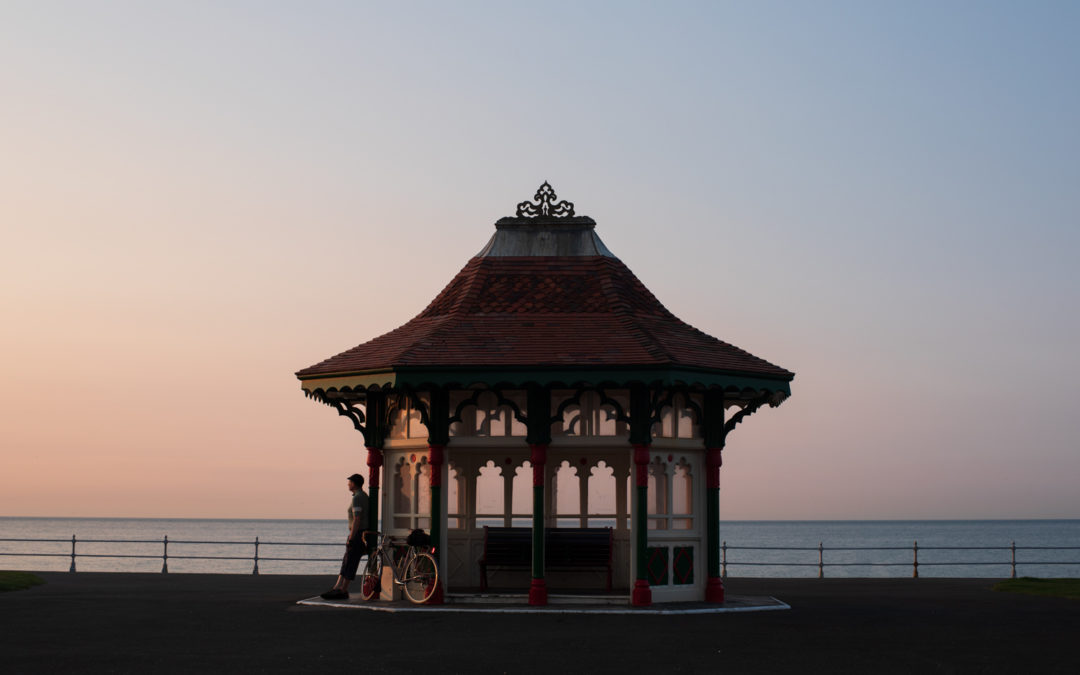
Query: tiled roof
(568,311)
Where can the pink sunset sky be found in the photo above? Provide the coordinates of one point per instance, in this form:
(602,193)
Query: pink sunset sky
(199,199)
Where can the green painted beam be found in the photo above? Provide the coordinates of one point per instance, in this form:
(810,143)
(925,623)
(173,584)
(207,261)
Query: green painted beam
(421,378)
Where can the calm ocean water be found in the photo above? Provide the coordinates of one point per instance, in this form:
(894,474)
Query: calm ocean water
(280,539)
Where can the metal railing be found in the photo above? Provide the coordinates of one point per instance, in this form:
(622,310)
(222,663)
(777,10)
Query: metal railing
(165,542)
(1012,548)
(820,549)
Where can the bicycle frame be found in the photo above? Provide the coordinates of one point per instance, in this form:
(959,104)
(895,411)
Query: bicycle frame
(397,567)
(416,571)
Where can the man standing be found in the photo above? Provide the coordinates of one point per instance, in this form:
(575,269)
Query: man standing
(354,545)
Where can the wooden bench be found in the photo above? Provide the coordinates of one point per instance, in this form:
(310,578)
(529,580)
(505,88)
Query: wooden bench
(565,548)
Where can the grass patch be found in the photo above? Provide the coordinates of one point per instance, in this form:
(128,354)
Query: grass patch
(17,581)
(1057,588)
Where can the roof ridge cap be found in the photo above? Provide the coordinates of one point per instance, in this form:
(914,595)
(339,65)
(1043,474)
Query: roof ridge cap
(641,289)
(729,345)
(472,287)
(457,309)
(473,262)
(433,322)
(624,314)
(437,323)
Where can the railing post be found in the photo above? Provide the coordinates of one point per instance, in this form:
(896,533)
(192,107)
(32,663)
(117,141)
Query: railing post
(915,561)
(1013,574)
(820,560)
(256,570)
(723,560)
(165,555)
(72,568)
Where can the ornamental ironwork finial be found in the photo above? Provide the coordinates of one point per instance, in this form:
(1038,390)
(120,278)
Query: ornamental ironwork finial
(545,205)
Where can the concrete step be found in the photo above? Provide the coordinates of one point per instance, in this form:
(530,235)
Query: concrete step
(509,598)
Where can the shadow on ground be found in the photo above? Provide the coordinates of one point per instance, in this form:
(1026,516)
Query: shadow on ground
(99,622)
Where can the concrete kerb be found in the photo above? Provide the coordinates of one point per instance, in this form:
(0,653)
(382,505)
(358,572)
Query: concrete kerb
(733,605)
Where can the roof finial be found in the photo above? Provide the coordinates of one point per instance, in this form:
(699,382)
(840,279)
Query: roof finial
(545,205)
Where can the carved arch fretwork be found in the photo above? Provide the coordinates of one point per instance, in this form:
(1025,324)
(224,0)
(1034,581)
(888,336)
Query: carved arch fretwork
(418,405)
(665,398)
(410,400)
(394,404)
(620,413)
(474,401)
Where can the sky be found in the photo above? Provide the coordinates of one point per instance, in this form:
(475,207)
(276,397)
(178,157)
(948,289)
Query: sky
(198,199)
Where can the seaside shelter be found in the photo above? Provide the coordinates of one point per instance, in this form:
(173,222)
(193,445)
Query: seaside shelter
(550,422)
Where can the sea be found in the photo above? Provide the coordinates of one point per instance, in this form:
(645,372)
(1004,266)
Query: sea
(859,548)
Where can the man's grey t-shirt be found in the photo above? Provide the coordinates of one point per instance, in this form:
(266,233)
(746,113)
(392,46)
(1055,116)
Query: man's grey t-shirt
(358,509)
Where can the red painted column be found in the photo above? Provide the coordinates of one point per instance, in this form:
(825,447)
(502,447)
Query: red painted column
(374,462)
(538,588)
(642,594)
(714,587)
(435,459)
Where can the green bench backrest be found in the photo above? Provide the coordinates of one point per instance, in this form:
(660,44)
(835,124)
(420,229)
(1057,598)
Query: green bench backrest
(590,546)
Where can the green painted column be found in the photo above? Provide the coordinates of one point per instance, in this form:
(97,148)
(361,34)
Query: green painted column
(715,435)
(642,594)
(538,586)
(714,587)
(435,459)
(438,424)
(641,421)
(375,437)
(538,423)
(374,462)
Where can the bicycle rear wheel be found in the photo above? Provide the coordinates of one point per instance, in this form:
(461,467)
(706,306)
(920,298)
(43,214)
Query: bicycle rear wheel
(371,580)
(421,578)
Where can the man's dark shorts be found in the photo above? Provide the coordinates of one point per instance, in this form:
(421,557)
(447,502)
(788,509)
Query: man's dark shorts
(353,552)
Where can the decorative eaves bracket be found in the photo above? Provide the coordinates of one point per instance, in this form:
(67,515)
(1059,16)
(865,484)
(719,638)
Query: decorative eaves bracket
(371,424)
(750,408)
(355,415)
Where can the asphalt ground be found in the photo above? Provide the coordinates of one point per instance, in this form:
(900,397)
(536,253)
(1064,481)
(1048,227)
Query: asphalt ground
(155,623)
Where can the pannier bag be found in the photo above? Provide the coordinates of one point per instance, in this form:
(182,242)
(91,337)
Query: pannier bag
(419,538)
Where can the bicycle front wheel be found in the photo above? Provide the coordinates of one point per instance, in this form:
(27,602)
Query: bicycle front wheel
(371,581)
(421,578)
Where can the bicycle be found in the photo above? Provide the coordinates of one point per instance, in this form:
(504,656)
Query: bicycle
(416,571)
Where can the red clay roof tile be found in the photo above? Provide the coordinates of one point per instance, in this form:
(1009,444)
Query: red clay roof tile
(545,311)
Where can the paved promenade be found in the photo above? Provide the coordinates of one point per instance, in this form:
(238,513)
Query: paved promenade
(153,623)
